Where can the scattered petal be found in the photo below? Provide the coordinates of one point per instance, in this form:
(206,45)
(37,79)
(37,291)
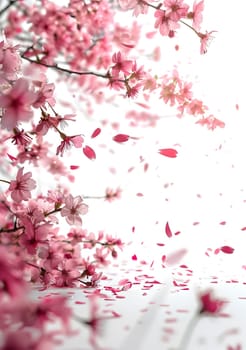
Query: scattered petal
(168,152)
(89,152)
(11,157)
(121,138)
(96,132)
(168,230)
(175,257)
(227,249)
(74,167)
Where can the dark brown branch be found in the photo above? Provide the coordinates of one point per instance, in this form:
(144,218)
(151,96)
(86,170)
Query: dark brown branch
(11,3)
(66,70)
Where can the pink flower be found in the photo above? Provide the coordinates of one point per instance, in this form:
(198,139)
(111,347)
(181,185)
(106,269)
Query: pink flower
(165,23)
(34,235)
(24,339)
(69,141)
(112,194)
(37,314)
(94,322)
(121,65)
(74,207)
(101,256)
(205,41)
(209,304)
(45,94)
(11,274)
(176,9)
(196,14)
(132,91)
(196,107)
(211,122)
(51,308)
(16,104)
(10,61)
(127,4)
(67,273)
(137,5)
(21,138)
(21,187)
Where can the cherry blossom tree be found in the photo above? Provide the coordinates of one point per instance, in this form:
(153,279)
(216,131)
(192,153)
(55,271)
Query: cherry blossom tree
(83,45)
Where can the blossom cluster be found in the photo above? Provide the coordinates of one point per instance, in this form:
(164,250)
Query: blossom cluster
(43,240)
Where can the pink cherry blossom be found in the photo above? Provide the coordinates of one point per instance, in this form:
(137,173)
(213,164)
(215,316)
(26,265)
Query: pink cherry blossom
(44,94)
(112,194)
(10,61)
(21,138)
(16,103)
(138,6)
(68,142)
(22,186)
(24,339)
(209,304)
(176,9)
(196,14)
(67,273)
(74,207)
(165,23)
(205,40)
(11,277)
(121,65)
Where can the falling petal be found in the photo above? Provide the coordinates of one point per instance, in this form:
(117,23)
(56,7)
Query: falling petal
(168,230)
(175,257)
(89,152)
(227,249)
(168,152)
(121,138)
(96,132)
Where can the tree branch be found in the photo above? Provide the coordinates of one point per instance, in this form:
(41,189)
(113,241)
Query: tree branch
(11,2)
(66,70)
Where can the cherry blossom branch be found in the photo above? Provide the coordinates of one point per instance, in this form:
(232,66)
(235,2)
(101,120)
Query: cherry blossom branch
(11,3)
(94,197)
(150,5)
(7,182)
(104,244)
(52,212)
(66,70)
(187,25)
(93,321)
(14,229)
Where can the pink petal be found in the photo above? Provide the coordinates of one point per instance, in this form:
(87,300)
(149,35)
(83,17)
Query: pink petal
(227,249)
(168,230)
(74,167)
(128,45)
(175,257)
(96,132)
(89,152)
(121,138)
(11,157)
(168,152)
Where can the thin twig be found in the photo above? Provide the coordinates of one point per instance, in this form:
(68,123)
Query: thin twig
(7,6)
(66,70)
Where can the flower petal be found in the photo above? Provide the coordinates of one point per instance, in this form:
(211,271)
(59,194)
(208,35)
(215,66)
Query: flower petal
(168,152)
(89,152)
